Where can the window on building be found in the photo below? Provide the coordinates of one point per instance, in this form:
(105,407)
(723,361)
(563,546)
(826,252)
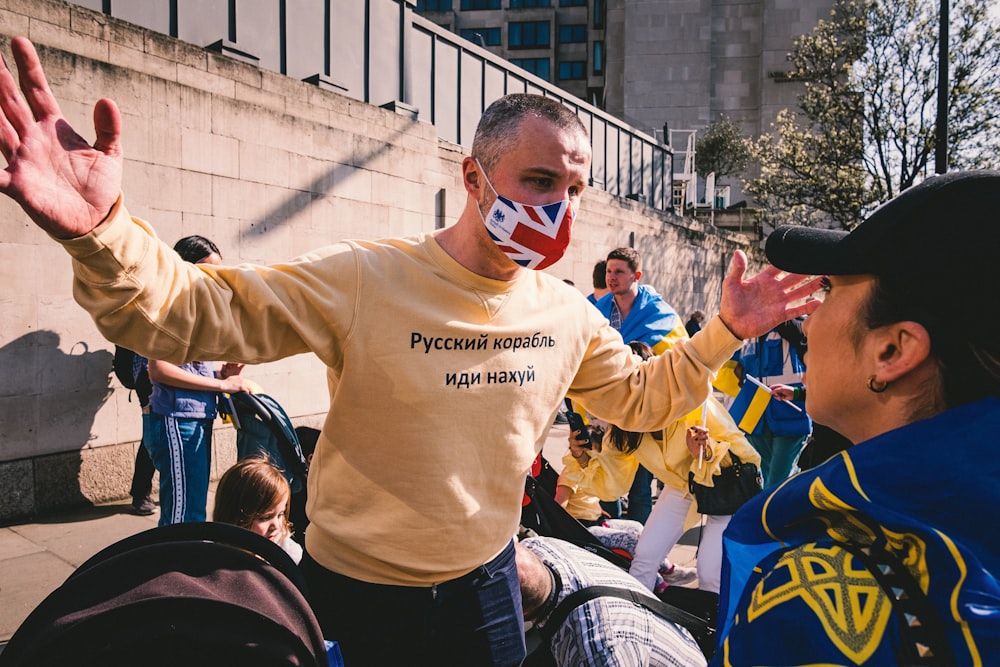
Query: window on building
(528,34)
(491,36)
(569,34)
(537,66)
(525,4)
(572,3)
(574,69)
(480,4)
(433,5)
(599,14)
(598,57)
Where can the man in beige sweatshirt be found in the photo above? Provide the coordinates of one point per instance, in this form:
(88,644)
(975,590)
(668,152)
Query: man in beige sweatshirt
(441,393)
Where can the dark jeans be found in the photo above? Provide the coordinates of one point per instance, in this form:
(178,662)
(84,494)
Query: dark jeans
(142,476)
(474,620)
(640,496)
(613,508)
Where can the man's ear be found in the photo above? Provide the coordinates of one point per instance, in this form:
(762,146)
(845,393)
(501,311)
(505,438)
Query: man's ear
(472,178)
(900,348)
(638,274)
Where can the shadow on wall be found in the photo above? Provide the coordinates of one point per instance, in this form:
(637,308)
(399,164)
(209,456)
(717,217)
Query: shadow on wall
(48,401)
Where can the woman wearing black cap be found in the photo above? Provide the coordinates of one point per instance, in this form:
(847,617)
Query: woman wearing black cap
(885,554)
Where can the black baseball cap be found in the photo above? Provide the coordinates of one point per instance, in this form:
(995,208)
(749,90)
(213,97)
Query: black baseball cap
(944,230)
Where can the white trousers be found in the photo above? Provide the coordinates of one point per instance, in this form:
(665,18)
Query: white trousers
(664,527)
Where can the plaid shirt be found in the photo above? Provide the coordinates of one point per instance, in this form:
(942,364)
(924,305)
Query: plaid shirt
(615,318)
(609,632)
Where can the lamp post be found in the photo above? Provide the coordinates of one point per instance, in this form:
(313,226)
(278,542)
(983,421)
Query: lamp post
(941,143)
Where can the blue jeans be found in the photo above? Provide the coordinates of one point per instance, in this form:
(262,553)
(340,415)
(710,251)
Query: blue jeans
(640,496)
(473,620)
(777,454)
(181,450)
(613,508)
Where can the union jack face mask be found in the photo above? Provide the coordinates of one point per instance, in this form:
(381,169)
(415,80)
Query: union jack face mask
(533,236)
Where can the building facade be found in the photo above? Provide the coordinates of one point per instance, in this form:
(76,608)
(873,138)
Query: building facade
(561,41)
(666,67)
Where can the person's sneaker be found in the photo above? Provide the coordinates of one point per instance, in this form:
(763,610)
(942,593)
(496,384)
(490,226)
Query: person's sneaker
(677,575)
(143,507)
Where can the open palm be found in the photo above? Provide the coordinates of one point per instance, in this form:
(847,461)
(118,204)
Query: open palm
(63,183)
(753,306)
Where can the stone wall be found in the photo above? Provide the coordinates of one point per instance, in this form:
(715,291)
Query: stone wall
(269,168)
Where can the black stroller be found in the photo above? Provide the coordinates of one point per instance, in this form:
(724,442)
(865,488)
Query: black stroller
(186,594)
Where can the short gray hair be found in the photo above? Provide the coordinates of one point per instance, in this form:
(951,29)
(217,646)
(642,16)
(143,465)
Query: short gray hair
(497,130)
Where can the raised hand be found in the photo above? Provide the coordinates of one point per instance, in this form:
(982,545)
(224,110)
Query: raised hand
(753,306)
(65,185)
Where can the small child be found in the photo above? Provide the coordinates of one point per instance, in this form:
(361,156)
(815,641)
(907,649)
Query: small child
(254,494)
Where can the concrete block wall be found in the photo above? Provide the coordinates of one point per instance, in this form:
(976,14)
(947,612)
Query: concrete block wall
(267,167)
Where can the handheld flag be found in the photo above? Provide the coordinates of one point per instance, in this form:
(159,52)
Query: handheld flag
(748,408)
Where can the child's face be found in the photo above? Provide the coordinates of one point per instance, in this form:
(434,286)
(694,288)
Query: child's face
(271,524)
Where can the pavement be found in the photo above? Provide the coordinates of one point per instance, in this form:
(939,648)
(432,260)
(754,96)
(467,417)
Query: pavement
(36,556)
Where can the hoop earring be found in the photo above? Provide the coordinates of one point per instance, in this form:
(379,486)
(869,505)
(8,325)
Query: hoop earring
(876,388)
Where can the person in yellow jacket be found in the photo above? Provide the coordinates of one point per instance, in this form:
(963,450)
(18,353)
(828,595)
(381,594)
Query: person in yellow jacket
(616,534)
(608,468)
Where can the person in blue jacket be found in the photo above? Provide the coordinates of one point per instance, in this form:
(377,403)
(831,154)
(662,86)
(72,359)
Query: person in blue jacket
(884,554)
(639,313)
(183,407)
(776,359)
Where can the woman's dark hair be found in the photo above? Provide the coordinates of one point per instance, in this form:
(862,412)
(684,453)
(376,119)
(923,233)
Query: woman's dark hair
(628,441)
(969,361)
(195,248)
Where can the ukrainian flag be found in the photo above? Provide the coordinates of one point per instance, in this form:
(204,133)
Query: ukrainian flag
(748,408)
(726,380)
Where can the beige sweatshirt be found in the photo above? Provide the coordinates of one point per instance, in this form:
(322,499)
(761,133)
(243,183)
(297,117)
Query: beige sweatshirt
(443,383)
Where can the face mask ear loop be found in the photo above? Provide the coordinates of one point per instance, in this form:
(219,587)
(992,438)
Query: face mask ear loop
(485,177)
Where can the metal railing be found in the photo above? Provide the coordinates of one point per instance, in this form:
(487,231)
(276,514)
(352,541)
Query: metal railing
(383,53)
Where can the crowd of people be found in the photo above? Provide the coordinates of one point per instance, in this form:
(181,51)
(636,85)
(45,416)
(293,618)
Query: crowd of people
(410,555)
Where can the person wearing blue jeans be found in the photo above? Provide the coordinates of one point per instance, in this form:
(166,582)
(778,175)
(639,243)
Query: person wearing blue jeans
(182,409)
(181,449)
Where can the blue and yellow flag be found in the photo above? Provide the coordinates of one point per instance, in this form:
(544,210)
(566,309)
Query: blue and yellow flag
(748,408)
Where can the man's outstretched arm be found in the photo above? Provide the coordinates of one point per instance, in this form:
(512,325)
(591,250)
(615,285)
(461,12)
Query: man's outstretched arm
(65,185)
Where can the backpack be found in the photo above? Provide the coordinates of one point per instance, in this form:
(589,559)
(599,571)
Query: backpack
(122,365)
(124,369)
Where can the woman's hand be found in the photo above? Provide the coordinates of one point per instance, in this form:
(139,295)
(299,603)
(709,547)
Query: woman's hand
(235,384)
(697,442)
(230,368)
(782,392)
(579,449)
